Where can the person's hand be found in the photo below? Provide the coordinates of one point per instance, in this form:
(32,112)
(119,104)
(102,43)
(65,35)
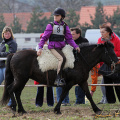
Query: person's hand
(91,92)
(39,52)
(78,49)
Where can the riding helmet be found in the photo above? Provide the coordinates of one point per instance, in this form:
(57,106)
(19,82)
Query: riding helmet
(59,11)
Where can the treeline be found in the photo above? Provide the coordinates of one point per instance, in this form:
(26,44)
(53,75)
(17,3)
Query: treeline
(37,25)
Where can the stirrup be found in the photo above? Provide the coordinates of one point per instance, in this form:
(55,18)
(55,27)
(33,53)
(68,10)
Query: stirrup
(61,82)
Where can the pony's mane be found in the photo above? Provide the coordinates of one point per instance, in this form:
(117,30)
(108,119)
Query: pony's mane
(86,48)
(86,45)
(109,43)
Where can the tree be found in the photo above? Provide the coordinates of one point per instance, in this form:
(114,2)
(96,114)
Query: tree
(72,19)
(13,6)
(114,20)
(2,25)
(16,27)
(84,27)
(37,25)
(50,5)
(99,16)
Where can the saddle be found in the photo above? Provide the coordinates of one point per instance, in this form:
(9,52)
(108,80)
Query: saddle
(47,61)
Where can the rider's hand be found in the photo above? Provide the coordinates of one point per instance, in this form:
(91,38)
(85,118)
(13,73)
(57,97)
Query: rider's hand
(39,52)
(78,49)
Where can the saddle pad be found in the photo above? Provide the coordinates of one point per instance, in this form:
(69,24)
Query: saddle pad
(47,61)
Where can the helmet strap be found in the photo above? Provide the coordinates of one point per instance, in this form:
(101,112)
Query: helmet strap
(61,19)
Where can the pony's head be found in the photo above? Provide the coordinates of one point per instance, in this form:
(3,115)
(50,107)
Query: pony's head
(109,55)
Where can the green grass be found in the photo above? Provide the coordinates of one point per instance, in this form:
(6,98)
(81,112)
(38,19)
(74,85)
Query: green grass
(82,112)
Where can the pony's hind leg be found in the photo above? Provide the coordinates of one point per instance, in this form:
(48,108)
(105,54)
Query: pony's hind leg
(13,104)
(20,106)
(20,84)
(17,87)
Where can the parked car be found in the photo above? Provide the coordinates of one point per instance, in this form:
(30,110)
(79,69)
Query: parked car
(93,35)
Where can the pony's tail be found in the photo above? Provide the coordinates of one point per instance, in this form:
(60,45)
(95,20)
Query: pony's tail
(8,80)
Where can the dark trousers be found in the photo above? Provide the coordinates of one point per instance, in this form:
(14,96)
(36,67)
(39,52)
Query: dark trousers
(80,95)
(110,95)
(40,96)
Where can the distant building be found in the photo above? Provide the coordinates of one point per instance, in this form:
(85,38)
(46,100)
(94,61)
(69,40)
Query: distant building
(27,40)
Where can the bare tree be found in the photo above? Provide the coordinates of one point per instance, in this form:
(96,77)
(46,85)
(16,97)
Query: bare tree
(13,6)
(50,5)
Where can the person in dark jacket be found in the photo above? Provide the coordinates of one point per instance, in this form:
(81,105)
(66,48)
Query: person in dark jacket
(76,35)
(7,46)
(80,95)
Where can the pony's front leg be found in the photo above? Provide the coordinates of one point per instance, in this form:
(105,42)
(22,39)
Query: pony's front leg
(65,90)
(88,95)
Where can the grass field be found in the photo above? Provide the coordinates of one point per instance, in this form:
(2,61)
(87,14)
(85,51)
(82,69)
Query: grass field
(80,112)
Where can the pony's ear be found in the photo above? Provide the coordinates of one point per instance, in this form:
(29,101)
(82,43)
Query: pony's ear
(100,45)
(109,43)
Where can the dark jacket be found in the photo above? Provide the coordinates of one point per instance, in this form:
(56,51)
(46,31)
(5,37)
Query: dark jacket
(7,47)
(79,41)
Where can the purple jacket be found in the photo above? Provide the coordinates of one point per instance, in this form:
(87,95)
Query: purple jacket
(53,44)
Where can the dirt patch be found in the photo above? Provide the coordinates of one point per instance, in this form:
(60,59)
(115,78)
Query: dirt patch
(66,112)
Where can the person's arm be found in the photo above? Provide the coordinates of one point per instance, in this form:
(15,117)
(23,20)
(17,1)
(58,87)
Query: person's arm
(46,35)
(117,46)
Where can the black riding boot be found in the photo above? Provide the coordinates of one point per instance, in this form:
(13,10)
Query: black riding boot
(59,81)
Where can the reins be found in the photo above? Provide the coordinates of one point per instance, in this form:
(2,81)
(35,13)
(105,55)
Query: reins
(77,59)
(112,65)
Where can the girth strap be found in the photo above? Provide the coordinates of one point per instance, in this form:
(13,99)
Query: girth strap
(47,78)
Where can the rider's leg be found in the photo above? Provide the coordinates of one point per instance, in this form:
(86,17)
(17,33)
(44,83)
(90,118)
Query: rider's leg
(61,62)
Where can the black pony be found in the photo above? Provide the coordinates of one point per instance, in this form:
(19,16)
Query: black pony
(24,65)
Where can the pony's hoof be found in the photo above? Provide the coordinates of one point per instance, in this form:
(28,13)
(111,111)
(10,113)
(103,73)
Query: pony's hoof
(13,109)
(56,111)
(22,112)
(98,112)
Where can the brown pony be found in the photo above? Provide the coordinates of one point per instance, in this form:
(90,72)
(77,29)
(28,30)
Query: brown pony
(23,65)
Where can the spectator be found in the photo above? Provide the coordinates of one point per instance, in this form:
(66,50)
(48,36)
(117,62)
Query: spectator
(108,35)
(66,101)
(94,77)
(40,92)
(79,93)
(7,46)
(40,96)
(58,32)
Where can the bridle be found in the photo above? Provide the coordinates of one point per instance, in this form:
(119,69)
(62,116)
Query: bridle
(107,54)
(112,65)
